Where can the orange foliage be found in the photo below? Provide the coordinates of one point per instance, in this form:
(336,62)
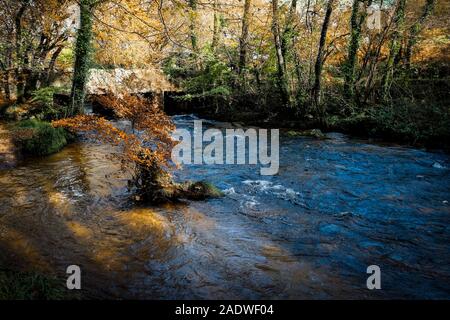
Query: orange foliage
(151,146)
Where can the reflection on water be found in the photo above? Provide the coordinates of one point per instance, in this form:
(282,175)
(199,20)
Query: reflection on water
(336,207)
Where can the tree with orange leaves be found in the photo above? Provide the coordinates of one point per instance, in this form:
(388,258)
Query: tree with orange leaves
(146,154)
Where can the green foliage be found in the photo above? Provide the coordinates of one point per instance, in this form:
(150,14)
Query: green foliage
(403,122)
(314,133)
(40,138)
(44,108)
(30,286)
(43,96)
(212,79)
(44,99)
(413,123)
(221,91)
(66,57)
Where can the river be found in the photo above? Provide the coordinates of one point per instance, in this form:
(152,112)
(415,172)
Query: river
(336,207)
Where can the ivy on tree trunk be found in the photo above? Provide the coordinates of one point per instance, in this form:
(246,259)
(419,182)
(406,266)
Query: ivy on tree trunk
(357,20)
(20,56)
(243,40)
(82,57)
(399,21)
(193,25)
(217,26)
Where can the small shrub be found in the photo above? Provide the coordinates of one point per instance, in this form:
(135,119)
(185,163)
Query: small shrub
(43,100)
(43,96)
(39,137)
(212,78)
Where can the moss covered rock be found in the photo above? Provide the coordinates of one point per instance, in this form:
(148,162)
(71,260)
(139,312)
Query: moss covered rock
(39,138)
(199,190)
(315,133)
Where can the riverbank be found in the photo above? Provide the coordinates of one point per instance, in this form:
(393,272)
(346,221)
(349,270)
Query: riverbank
(409,125)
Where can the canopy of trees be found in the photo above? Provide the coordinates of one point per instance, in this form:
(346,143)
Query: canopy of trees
(221,47)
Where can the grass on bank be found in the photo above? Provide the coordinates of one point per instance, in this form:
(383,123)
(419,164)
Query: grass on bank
(18,285)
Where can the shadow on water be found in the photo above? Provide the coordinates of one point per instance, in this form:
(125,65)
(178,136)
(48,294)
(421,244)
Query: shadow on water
(336,207)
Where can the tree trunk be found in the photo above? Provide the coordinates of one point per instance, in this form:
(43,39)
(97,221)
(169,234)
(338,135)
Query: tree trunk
(316,91)
(6,88)
(20,79)
(82,57)
(31,83)
(373,63)
(243,40)
(193,25)
(281,66)
(216,27)
(51,66)
(357,19)
(415,29)
(35,69)
(399,20)
(6,65)
(288,34)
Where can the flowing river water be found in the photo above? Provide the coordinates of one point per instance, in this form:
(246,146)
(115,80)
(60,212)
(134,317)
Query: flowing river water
(336,207)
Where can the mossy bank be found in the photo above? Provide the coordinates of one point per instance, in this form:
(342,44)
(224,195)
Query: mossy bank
(39,138)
